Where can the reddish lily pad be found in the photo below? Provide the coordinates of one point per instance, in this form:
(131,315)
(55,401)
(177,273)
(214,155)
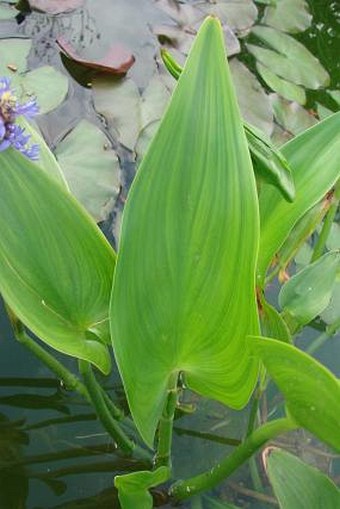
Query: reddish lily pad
(55,6)
(116,61)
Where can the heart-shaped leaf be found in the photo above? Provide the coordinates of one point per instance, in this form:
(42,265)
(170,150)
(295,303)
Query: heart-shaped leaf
(133,488)
(183,296)
(56,267)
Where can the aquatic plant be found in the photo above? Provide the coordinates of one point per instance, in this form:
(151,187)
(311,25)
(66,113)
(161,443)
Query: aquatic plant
(183,304)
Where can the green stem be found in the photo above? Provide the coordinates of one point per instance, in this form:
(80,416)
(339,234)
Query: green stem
(207,480)
(322,338)
(70,381)
(163,455)
(254,473)
(327,224)
(103,412)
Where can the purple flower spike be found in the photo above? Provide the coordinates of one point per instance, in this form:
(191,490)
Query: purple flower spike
(11,134)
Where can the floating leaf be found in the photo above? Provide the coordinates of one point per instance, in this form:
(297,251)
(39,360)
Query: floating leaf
(298,485)
(290,116)
(48,85)
(13,55)
(288,58)
(254,103)
(90,167)
(116,61)
(286,89)
(133,488)
(7,12)
(119,103)
(56,275)
(240,15)
(312,393)
(55,6)
(308,293)
(314,149)
(289,16)
(188,322)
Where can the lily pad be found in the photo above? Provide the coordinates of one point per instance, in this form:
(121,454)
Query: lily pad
(13,55)
(116,61)
(7,12)
(48,85)
(119,103)
(288,58)
(285,88)
(55,6)
(291,16)
(291,116)
(239,15)
(91,168)
(254,103)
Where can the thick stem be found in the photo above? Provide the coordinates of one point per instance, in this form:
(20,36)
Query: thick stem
(207,480)
(163,455)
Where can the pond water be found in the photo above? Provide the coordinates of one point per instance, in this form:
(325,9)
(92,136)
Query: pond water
(53,452)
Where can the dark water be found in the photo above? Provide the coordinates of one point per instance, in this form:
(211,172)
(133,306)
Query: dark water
(53,452)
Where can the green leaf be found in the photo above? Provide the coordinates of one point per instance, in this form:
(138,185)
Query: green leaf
(288,58)
(297,485)
(311,391)
(285,88)
(48,85)
(289,16)
(13,55)
(46,160)
(133,488)
(91,168)
(183,295)
(316,148)
(291,116)
(272,323)
(332,313)
(239,15)
(308,293)
(7,12)
(56,267)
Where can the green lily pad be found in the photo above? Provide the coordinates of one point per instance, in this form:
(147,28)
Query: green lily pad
(285,88)
(298,485)
(253,101)
(291,116)
(91,168)
(240,15)
(119,102)
(13,55)
(7,12)
(288,58)
(291,16)
(48,85)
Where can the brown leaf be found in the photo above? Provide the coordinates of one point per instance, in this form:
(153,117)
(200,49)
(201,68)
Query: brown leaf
(117,60)
(55,6)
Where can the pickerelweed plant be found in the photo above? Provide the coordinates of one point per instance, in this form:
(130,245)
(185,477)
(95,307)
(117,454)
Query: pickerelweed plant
(183,304)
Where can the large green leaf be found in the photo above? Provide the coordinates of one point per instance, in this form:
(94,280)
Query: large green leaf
(183,295)
(133,489)
(297,485)
(312,393)
(56,267)
(288,15)
(313,159)
(308,293)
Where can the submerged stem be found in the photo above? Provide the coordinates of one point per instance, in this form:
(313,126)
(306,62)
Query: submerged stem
(207,480)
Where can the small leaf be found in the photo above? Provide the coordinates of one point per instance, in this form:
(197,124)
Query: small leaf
(308,293)
(297,485)
(133,488)
(90,167)
(288,58)
(289,16)
(316,148)
(57,274)
(116,61)
(311,391)
(48,85)
(272,323)
(285,88)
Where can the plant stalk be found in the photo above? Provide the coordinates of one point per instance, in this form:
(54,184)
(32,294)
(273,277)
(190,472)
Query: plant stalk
(163,455)
(322,338)
(207,480)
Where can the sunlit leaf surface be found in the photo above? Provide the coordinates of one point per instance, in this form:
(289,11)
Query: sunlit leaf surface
(313,159)
(183,296)
(133,488)
(55,265)
(312,393)
(297,485)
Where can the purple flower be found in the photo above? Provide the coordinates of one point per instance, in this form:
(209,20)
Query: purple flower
(11,134)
